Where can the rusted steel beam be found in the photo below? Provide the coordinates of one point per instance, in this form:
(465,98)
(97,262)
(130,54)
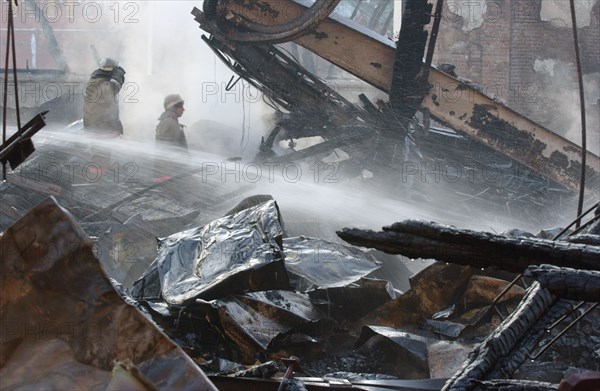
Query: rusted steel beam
(370,57)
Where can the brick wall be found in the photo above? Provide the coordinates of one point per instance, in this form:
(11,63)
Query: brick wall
(526,62)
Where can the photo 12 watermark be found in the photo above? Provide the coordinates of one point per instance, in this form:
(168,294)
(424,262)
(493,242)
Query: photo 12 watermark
(271,172)
(38,92)
(81,172)
(71,11)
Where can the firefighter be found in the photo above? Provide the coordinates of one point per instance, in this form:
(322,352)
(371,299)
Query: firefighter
(169,131)
(100,103)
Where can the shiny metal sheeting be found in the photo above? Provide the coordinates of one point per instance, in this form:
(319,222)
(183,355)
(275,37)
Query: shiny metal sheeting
(261,321)
(316,263)
(233,254)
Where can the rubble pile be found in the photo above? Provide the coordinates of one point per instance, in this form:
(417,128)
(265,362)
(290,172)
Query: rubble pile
(239,296)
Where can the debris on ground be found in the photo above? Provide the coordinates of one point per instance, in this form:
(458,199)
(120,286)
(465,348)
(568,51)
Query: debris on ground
(65,326)
(238,296)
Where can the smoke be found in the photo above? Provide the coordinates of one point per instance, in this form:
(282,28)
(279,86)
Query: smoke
(592,103)
(563,109)
(161,49)
(159,44)
(558,12)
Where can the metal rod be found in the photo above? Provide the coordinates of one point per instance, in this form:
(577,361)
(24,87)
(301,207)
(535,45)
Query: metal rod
(553,325)
(578,218)
(587,224)
(582,111)
(14,65)
(510,285)
(538,354)
(5,92)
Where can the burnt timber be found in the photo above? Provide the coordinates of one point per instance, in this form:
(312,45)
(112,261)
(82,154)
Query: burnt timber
(418,239)
(506,349)
(566,282)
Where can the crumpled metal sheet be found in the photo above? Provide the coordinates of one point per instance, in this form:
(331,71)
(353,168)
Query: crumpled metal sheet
(259,321)
(445,328)
(127,249)
(354,301)
(59,312)
(439,286)
(233,254)
(483,290)
(316,263)
(408,352)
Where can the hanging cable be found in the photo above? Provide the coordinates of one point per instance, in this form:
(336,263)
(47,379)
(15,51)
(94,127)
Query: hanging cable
(582,110)
(5,92)
(18,146)
(245,131)
(14,65)
(10,40)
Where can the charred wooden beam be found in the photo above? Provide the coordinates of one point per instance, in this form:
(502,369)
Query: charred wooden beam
(406,92)
(593,240)
(567,283)
(420,239)
(505,350)
(527,345)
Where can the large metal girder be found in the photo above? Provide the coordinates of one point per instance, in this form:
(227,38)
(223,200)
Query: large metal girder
(370,57)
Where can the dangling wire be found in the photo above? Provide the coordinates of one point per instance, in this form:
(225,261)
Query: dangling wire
(5,92)
(245,131)
(10,39)
(582,109)
(14,65)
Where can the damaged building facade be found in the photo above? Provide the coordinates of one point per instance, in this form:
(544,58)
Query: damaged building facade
(522,53)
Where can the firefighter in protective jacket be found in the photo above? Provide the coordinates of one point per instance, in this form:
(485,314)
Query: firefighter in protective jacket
(100,103)
(169,131)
